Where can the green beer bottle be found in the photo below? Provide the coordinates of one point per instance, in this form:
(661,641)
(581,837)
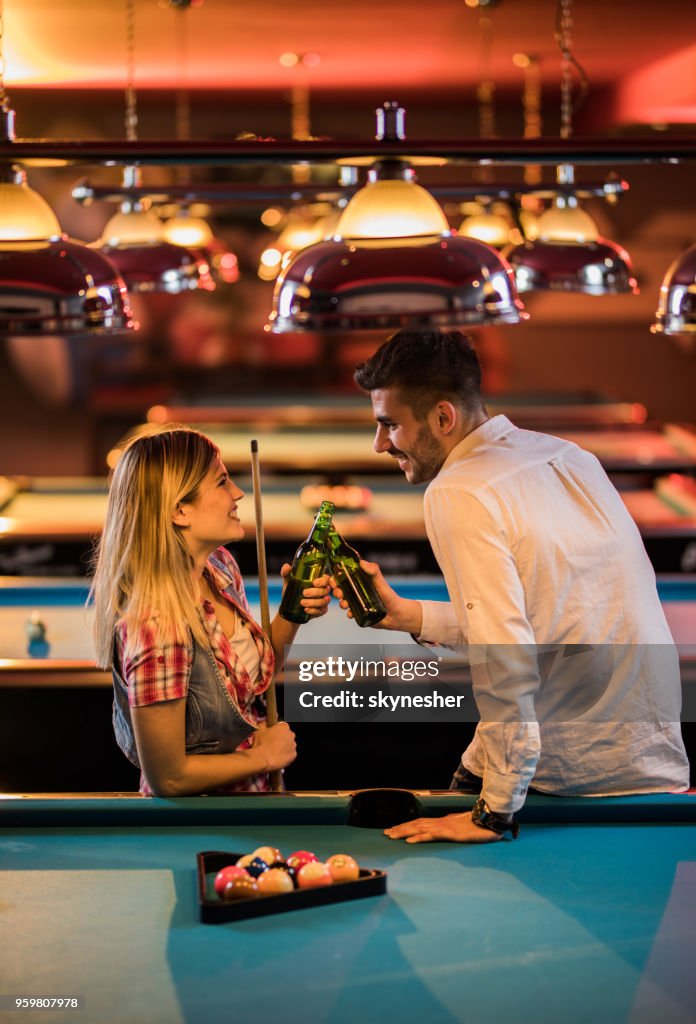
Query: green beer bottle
(307,565)
(358,588)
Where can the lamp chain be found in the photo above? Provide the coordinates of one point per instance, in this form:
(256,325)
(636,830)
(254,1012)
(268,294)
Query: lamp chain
(4,99)
(486,88)
(131,99)
(564,37)
(563,34)
(183,102)
(531,104)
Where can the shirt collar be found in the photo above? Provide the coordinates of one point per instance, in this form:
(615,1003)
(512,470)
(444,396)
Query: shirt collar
(490,430)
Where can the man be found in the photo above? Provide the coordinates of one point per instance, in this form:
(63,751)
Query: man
(574,670)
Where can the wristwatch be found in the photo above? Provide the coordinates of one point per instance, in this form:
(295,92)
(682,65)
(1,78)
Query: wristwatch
(484,817)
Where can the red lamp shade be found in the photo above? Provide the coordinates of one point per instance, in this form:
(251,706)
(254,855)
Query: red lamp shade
(443,280)
(160,267)
(60,287)
(596,267)
(676,313)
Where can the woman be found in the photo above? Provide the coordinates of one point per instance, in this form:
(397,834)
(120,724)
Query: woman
(172,622)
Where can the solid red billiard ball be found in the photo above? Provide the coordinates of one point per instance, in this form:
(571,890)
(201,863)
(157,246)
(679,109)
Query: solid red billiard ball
(343,868)
(240,888)
(226,875)
(269,854)
(313,875)
(299,858)
(275,881)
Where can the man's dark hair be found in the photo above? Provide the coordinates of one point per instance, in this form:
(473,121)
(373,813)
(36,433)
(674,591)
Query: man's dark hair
(426,366)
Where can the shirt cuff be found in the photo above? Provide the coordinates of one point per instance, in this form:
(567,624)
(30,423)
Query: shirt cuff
(440,625)
(504,794)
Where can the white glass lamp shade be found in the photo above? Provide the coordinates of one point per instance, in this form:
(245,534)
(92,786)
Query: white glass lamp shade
(491,228)
(194,232)
(566,222)
(300,231)
(131,227)
(392,208)
(25,215)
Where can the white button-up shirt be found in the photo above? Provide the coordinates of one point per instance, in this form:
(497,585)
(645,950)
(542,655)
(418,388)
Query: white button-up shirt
(553,598)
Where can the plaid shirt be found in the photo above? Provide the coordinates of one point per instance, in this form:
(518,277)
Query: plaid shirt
(159,670)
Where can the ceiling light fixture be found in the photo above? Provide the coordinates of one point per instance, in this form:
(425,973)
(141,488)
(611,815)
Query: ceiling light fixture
(312,222)
(133,239)
(567,253)
(393,262)
(676,313)
(48,284)
(183,228)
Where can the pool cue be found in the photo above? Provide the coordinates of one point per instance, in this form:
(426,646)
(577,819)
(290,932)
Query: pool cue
(271,702)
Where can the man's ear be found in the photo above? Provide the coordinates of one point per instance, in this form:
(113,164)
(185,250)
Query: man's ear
(180,516)
(446,417)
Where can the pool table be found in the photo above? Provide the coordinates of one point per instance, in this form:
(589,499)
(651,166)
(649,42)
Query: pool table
(347,447)
(55,706)
(68,648)
(48,525)
(590,916)
(537,411)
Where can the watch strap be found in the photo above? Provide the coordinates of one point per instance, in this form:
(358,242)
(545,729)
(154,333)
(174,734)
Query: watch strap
(484,817)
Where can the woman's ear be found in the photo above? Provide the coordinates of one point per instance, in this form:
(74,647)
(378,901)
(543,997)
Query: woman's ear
(180,516)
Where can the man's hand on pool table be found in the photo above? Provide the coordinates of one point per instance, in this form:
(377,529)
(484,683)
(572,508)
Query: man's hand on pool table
(455,828)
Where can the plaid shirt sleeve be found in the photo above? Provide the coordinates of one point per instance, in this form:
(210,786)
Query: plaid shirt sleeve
(155,671)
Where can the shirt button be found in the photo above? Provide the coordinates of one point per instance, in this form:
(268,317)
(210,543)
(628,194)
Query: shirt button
(161,659)
(469,604)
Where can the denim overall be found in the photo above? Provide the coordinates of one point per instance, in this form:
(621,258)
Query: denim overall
(214,724)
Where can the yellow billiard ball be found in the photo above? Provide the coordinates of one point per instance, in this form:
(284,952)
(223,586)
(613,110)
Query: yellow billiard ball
(267,853)
(275,881)
(343,868)
(313,875)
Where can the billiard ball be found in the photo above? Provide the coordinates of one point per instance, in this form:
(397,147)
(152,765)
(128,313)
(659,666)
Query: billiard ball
(34,628)
(313,875)
(343,868)
(282,865)
(245,860)
(275,880)
(226,875)
(299,858)
(256,867)
(240,888)
(268,853)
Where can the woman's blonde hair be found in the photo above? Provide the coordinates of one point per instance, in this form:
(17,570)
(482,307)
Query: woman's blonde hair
(143,567)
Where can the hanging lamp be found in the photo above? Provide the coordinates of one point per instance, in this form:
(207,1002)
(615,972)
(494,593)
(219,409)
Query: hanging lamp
(48,284)
(183,228)
(567,253)
(676,312)
(133,239)
(393,262)
(486,223)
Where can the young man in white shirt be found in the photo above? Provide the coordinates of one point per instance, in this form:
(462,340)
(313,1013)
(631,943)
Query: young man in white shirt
(552,596)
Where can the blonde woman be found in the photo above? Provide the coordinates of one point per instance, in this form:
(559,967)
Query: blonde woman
(189,663)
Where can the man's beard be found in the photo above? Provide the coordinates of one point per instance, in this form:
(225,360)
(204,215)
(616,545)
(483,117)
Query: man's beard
(426,457)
